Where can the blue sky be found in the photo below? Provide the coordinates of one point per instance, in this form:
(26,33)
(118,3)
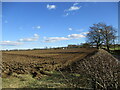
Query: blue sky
(37,25)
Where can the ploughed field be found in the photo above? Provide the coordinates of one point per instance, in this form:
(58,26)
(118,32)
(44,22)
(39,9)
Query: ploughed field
(36,62)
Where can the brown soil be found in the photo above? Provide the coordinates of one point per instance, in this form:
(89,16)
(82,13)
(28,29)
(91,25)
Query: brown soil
(36,62)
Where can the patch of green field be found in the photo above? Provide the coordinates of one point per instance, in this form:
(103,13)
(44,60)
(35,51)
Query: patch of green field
(113,48)
(26,81)
(17,82)
(116,48)
(56,80)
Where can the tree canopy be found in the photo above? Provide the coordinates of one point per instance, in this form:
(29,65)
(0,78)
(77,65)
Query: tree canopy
(100,34)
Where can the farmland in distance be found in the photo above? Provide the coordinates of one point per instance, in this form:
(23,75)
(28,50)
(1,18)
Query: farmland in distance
(39,63)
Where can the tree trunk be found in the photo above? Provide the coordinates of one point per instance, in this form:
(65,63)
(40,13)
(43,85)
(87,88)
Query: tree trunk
(97,46)
(108,49)
(107,44)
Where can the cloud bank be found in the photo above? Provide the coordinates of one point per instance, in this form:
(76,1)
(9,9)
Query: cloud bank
(69,37)
(10,43)
(20,41)
(34,38)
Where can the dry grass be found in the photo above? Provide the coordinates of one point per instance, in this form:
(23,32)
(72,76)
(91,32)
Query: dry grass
(102,69)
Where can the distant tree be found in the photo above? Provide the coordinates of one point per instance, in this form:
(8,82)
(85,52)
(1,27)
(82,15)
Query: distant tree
(46,47)
(86,45)
(101,34)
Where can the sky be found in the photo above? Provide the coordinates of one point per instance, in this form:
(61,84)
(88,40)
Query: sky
(27,25)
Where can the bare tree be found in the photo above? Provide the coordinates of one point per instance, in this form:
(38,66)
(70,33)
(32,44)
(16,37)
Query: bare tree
(101,34)
(94,36)
(108,33)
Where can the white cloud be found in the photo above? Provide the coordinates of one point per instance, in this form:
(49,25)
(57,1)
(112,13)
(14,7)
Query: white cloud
(36,27)
(34,38)
(70,29)
(72,8)
(10,43)
(66,14)
(69,37)
(75,4)
(75,36)
(54,39)
(20,41)
(51,6)
(36,35)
